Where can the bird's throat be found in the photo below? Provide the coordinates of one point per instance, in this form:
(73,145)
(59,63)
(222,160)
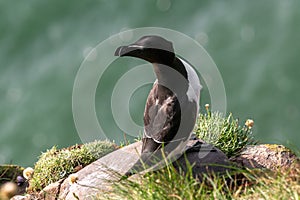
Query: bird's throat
(171,78)
(163,74)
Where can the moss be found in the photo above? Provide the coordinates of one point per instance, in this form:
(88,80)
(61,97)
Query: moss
(278,148)
(55,164)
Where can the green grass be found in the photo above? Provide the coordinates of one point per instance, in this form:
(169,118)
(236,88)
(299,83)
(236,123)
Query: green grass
(279,185)
(55,164)
(169,184)
(164,184)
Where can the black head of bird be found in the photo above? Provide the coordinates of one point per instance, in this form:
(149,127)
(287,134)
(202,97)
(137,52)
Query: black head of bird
(154,49)
(160,53)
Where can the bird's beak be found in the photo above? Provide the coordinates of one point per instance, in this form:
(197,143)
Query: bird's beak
(120,51)
(126,50)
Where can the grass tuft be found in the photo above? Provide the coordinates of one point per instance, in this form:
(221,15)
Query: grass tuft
(224,133)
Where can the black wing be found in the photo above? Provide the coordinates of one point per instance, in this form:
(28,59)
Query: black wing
(161,119)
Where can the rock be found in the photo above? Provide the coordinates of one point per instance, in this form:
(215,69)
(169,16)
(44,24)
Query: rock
(204,157)
(51,191)
(269,156)
(20,197)
(99,175)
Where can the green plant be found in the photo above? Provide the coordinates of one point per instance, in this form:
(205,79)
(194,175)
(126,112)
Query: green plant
(224,133)
(55,164)
(169,184)
(282,184)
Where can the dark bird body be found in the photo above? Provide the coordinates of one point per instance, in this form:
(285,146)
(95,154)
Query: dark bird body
(172,104)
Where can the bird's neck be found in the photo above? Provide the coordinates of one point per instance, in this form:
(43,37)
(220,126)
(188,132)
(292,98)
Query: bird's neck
(160,73)
(172,76)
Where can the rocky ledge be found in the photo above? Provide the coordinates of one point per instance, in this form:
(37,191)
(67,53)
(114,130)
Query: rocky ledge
(100,175)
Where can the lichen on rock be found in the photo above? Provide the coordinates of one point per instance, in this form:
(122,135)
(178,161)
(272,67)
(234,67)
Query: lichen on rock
(269,156)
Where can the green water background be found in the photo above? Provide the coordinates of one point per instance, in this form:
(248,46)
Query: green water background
(255,45)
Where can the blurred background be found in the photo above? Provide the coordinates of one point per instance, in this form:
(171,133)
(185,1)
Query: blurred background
(255,45)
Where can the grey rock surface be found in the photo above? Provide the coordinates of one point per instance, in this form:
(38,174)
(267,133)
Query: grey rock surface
(21,197)
(269,156)
(99,175)
(204,157)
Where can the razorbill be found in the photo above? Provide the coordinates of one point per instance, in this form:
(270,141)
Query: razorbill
(172,104)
